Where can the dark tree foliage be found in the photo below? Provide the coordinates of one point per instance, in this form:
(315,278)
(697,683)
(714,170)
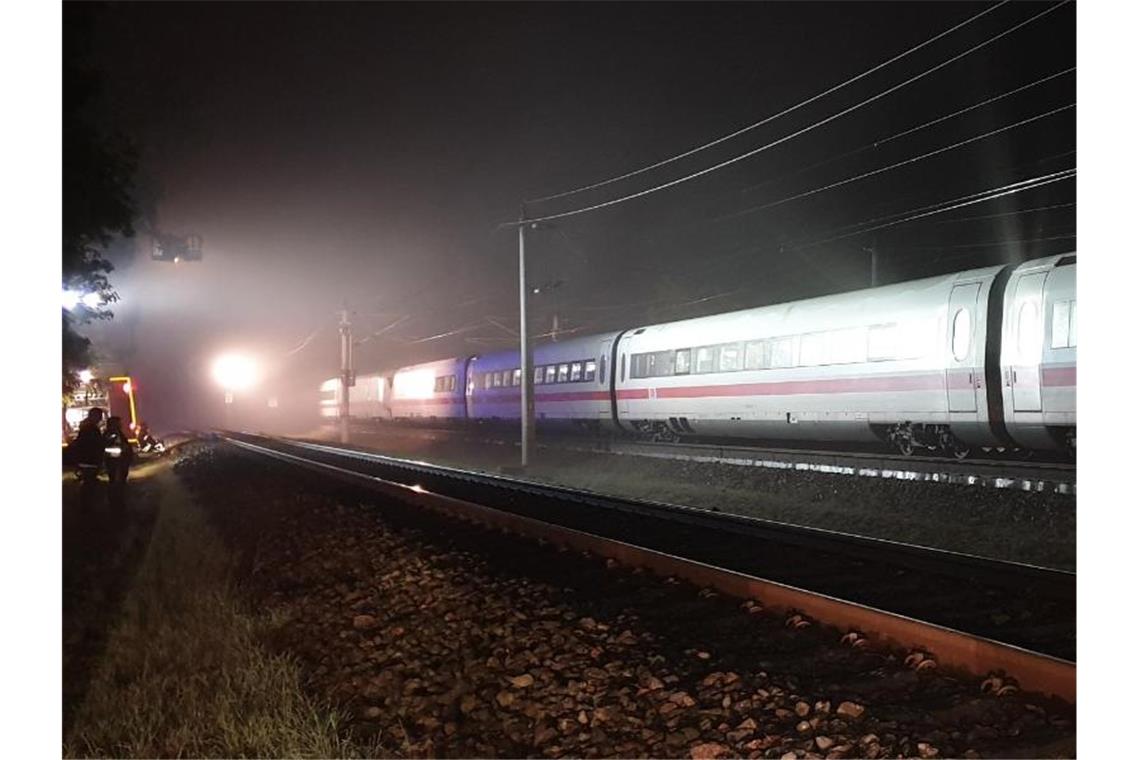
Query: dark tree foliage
(98,205)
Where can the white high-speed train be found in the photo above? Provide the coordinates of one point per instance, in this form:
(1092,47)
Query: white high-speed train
(981,358)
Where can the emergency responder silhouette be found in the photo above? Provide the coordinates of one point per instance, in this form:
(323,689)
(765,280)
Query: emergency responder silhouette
(119,456)
(87,455)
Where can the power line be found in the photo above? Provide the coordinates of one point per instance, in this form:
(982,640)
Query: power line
(1008,213)
(912,130)
(994,193)
(773,117)
(797,133)
(895,165)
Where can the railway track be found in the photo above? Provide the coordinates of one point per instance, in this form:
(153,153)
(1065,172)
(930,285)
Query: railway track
(969,613)
(1052,477)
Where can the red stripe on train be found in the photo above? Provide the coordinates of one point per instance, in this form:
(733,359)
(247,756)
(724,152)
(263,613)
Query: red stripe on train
(1059,377)
(887,384)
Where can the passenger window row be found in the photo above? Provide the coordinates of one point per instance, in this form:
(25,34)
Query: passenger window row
(570,372)
(585,371)
(444,384)
(845,346)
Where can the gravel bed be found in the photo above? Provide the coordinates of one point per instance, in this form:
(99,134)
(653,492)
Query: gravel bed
(1030,527)
(446,639)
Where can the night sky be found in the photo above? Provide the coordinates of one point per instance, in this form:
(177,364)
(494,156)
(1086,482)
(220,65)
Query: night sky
(369,152)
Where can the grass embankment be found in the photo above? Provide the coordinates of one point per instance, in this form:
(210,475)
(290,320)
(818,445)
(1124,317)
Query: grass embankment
(183,672)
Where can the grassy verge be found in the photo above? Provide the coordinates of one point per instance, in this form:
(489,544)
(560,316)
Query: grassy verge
(183,672)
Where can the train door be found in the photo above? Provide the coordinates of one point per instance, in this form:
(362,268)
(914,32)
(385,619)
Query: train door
(963,371)
(1025,372)
(602,374)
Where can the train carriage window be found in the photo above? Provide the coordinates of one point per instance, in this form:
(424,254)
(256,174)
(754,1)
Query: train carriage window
(488,379)
(731,357)
(591,371)
(783,354)
(961,331)
(661,363)
(498,380)
(881,340)
(538,375)
(1061,320)
(707,359)
(575,371)
(811,350)
(754,354)
(563,372)
(1072,324)
(623,368)
(602,370)
(551,373)
(682,361)
(1028,332)
(516,377)
(847,346)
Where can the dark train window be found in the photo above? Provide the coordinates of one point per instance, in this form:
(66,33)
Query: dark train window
(575,371)
(602,370)
(591,370)
(623,368)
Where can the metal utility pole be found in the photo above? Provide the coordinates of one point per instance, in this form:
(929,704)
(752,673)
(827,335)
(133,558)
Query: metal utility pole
(527,384)
(347,376)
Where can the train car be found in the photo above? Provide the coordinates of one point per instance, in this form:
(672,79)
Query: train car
(571,384)
(368,398)
(433,391)
(1039,353)
(904,363)
(494,383)
(329,399)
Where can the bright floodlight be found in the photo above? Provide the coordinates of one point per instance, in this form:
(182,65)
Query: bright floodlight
(235,372)
(85,375)
(72,298)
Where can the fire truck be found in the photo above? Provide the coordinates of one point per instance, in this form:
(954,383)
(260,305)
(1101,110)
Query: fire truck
(115,395)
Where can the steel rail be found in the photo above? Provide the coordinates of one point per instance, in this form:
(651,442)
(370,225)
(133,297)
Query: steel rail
(1060,583)
(953,650)
(1058,477)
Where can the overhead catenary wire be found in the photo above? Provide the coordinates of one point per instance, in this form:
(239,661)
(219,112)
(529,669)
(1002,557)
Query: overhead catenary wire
(998,192)
(781,140)
(917,128)
(773,117)
(896,165)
